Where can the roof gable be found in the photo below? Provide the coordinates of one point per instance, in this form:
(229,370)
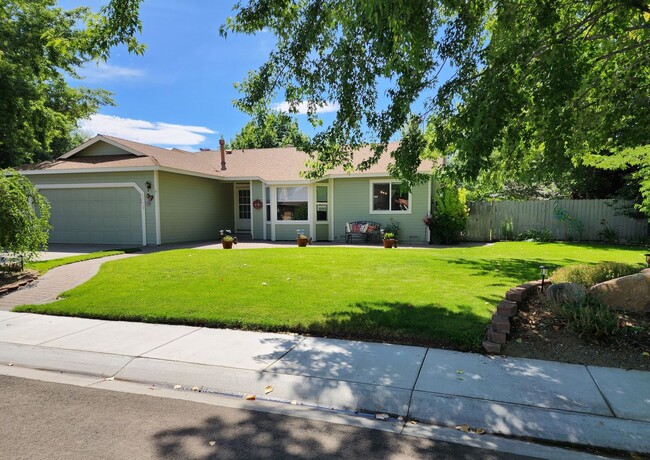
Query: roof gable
(102,146)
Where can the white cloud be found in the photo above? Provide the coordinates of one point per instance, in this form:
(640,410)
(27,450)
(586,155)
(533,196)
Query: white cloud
(145,131)
(303,107)
(104,71)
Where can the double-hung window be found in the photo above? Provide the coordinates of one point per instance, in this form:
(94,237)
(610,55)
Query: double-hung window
(389,197)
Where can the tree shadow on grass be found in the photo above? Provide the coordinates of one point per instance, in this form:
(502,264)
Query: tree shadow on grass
(507,271)
(397,322)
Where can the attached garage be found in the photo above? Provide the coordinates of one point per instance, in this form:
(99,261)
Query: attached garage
(96,213)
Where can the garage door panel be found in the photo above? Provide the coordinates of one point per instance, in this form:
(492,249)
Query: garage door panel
(95,215)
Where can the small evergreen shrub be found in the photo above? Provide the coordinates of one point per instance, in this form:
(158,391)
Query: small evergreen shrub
(449,215)
(588,275)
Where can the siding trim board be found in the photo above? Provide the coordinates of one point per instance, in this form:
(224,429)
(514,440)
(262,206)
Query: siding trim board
(106,185)
(156,194)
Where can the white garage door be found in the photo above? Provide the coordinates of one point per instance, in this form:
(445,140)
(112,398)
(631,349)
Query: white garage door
(95,215)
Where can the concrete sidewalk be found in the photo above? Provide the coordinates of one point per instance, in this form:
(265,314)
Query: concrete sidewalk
(584,405)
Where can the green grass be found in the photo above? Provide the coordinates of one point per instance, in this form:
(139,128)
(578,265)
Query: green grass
(43,266)
(440,297)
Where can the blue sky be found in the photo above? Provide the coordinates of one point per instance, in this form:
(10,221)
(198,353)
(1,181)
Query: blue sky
(180,93)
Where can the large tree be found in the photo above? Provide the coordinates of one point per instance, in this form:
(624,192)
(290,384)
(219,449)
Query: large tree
(535,86)
(41,45)
(269,130)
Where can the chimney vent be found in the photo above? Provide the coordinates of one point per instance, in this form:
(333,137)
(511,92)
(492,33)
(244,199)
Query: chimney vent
(222,147)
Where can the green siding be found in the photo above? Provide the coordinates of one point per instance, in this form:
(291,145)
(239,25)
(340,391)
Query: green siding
(140,178)
(101,149)
(257,193)
(352,203)
(322,232)
(194,208)
(287,232)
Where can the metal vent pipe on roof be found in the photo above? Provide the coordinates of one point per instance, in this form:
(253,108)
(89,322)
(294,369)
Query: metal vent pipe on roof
(222,147)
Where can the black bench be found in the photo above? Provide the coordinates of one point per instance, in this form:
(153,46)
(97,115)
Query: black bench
(362,231)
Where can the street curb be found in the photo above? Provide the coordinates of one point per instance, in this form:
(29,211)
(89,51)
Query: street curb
(508,419)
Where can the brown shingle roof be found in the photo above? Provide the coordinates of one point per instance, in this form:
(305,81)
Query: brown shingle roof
(273,165)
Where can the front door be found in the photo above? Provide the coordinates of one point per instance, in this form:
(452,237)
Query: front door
(242,208)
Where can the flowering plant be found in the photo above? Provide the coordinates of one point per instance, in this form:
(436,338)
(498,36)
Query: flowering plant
(226,235)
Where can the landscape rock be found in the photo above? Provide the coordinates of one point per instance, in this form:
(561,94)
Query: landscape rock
(631,293)
(566,293)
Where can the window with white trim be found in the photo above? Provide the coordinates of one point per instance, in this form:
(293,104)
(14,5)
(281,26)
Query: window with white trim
(293,203)
(389,197)
(322,205)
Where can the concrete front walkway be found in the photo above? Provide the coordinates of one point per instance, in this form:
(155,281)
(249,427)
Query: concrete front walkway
(60,279)
(584,405)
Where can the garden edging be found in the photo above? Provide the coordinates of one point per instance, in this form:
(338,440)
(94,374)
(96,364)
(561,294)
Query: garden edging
(501,324)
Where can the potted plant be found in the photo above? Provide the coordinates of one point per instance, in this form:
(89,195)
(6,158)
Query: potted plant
(389,240)
(227,240)
(302,239)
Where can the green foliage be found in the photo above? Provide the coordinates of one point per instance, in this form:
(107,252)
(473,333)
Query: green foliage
(41,47)
(24,216)
(541,236)
(269,130)
(591,320)
(450,215)
(392,227)
(635,159)
(535,87)
(588,275)
(388,236)
(507,230)
(608,234)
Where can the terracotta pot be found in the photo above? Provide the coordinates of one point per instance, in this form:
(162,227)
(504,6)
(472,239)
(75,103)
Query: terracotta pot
(390,243)
(302,242)
(227,244)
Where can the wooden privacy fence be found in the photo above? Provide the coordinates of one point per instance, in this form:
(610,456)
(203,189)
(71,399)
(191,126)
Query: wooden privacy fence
(565,219)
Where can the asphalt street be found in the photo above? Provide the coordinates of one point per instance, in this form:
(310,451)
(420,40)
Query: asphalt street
(42,420)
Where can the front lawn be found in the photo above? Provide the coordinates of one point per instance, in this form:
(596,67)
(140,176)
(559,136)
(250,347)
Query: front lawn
(440,297)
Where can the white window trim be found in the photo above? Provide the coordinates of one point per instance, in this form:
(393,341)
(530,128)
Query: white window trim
(388,212)
(274,207)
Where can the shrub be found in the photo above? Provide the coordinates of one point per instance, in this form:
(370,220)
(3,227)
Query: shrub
(449,215)
(608,234)
(541,236)
(508,229)
(588,275)
(24,216)
(591,320)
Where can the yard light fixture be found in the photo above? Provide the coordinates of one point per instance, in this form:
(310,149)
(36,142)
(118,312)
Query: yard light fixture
(647,260)
(544,271)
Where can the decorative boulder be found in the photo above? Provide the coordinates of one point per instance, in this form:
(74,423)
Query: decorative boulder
(563,293)
(631,293)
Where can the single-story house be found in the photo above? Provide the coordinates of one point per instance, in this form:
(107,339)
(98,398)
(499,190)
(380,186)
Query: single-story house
(114,191)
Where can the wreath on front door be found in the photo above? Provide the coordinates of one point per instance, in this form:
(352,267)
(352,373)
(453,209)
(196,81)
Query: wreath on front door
(257,204)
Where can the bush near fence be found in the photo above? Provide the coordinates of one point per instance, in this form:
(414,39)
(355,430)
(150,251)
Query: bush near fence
(584,220)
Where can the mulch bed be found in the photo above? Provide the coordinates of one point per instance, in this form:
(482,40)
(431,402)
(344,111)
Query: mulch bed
(10,281)
(538,334)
